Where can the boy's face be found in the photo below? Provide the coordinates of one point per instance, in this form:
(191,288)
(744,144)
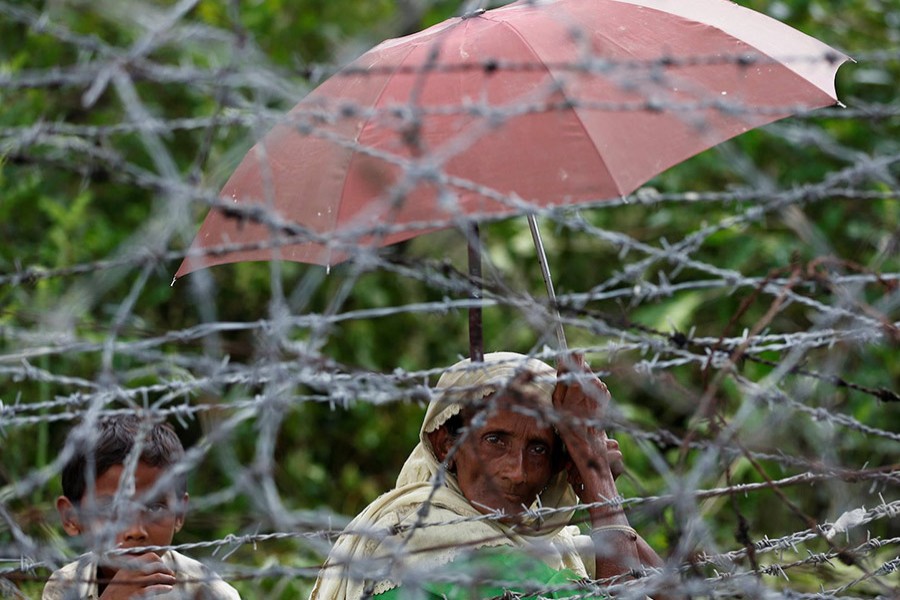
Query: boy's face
(152,522)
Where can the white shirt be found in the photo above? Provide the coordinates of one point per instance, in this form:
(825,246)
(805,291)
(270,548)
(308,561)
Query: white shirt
(78,581)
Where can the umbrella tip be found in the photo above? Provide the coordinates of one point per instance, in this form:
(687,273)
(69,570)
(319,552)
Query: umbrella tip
(473,13)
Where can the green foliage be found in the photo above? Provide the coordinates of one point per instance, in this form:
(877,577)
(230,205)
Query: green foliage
(70,201)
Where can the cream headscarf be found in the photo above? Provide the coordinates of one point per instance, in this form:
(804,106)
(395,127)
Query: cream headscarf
(408,531)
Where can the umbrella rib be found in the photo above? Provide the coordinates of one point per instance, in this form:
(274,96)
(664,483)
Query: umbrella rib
(574,104)
(715,16)
(356,144)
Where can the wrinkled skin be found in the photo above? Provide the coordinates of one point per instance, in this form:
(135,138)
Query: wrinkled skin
(504,464)
(506,460)
(581,396)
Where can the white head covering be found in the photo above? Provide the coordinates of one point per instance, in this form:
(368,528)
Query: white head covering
(419,525)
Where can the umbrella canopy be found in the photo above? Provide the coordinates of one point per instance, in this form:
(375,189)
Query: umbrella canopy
(534,104)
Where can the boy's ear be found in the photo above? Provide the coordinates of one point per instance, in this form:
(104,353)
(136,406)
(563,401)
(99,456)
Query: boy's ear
(182,510)
(68,516)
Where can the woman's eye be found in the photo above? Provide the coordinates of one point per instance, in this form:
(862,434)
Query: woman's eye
(540,450)
(157,507)
(492,438)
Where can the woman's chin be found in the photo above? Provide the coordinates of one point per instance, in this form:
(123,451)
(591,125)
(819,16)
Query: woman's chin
(512,509)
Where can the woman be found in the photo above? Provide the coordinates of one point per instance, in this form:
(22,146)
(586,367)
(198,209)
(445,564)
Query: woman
(480,489)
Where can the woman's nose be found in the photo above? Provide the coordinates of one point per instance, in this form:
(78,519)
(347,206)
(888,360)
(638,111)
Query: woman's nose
(514,467)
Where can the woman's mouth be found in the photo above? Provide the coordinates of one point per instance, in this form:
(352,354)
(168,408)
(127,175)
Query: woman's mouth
(517,500)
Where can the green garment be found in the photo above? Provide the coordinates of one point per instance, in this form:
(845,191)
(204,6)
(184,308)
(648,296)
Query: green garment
(503,570)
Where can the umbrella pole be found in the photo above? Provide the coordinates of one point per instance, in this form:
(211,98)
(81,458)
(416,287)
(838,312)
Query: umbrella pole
(476,337)
(548,280)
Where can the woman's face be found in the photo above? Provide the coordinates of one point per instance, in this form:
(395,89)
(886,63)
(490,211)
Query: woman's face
(507,462)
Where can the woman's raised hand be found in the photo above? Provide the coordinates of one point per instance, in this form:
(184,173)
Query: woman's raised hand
(581,400)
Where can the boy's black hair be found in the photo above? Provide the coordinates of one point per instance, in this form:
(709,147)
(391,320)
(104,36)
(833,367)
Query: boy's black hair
(111,444)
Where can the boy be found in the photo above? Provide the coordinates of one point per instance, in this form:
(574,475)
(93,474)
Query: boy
(120,491)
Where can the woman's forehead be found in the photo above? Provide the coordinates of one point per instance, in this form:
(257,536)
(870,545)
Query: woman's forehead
(524,401)
(513,418)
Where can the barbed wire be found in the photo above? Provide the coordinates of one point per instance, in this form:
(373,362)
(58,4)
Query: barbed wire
(745,314)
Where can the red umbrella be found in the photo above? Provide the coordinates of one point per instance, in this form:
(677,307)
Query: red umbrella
(499,112)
